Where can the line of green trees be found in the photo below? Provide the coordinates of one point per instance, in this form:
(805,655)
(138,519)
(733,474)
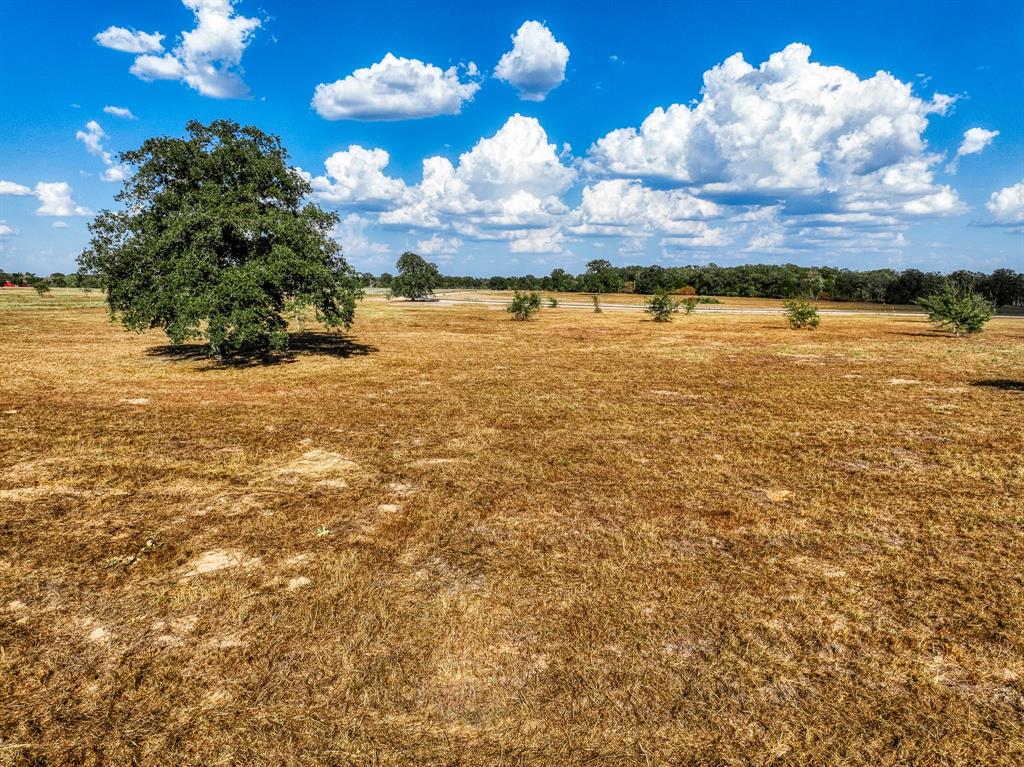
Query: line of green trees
(1003,287)
(55,280)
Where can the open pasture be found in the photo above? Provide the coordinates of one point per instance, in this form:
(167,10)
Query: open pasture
(451,538)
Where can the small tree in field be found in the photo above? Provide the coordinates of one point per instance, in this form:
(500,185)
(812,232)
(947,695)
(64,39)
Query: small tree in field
(524,305)
(801,314)
(689,305)
(553,302)
(416,278)
(661,306)
(215,242)
(597,303)
(960,309)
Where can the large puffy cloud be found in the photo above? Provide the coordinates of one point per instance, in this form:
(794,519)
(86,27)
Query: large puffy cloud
(792,132)
(790,126)
(511,181)
(1007,205)
(394,88)
(130,41)
(208,58)
(625,207)
(55,197)
(502,189)
(9,187)
(355,178)
(536,63)
(516,158)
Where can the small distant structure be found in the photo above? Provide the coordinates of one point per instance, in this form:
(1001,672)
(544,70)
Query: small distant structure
(9,284)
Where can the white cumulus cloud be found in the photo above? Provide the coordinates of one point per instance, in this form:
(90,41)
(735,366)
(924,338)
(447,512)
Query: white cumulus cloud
(93,137)
(1007,205)
(355,177)
(208,58)
(394,88)
(793,135)
(130,41)
(436,245)
(5,230)
(9,187)
(975,140)
(122,112)
(55,197)
(536,63)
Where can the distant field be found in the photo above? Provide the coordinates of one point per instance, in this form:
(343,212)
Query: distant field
(733,302)
(454,539)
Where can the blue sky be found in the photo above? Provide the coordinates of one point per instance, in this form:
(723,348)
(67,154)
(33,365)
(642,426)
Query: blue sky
(500,139)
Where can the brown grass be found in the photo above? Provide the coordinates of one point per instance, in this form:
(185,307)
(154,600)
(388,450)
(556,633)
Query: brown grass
(456,539)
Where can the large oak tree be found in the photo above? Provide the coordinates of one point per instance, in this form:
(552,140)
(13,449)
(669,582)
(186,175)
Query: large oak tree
(216,241)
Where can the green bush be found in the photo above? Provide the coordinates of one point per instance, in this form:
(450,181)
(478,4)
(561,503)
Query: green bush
(801,314)
(960,309)
(597,304)
(524,305)
(661,306)
(553,303)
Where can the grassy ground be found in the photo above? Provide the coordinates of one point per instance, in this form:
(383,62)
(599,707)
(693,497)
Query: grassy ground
(454,539)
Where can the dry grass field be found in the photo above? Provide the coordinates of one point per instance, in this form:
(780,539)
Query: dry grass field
(455,539)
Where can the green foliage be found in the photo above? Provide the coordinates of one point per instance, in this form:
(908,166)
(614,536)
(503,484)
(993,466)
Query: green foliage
(801,314)
(602,277)
(41,287)
(553,302)
(689,305)
(958,308)
(661,306)
(416,278)
(214,242)
(524,305)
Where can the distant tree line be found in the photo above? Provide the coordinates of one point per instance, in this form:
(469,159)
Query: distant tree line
(1003,287)
(55,280)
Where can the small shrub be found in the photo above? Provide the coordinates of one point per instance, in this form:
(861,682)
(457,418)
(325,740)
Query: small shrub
(960,309)
(553,303)
(524,305)
(801,314)
(597,304)
(41,287)
(661,306)
(689,305)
